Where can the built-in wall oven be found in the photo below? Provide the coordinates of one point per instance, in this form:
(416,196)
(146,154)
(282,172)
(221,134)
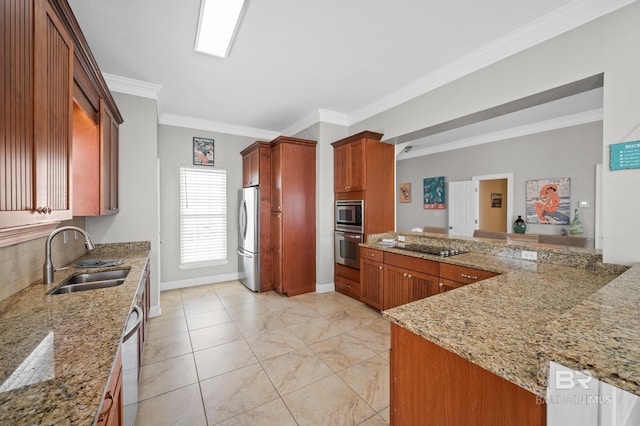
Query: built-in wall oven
(349,232)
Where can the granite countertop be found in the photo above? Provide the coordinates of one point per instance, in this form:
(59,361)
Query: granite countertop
(57,351)
(582,314)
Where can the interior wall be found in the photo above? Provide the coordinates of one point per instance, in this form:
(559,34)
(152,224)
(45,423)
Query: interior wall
(601,46)
(545,155)
(175,149)
(137,218)
(493,213)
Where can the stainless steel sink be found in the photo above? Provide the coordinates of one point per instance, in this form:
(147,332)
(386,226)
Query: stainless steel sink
(91,281)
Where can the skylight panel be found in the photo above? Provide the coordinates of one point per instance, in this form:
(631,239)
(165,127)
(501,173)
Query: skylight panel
(217,26)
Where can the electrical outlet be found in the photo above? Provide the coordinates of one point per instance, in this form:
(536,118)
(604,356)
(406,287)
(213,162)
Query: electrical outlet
(65,237)
(529,255)
(401,238)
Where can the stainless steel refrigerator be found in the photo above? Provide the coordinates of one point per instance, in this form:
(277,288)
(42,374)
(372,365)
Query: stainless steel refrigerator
(249,238)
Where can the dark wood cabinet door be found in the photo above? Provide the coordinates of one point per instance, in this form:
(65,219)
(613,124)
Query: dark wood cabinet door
(341,169)
(276,251)
(356,171)
(251,169)
(421,285)
(111,409)
(371,282)
(109,133)
(276,178)
(395,291)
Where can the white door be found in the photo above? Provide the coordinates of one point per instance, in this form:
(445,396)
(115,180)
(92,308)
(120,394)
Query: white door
(462,208)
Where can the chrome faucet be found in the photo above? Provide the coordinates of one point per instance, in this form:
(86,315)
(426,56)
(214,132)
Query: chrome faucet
(48,269)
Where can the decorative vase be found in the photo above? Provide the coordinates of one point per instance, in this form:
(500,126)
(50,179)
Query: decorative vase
(576,227)
(519,226)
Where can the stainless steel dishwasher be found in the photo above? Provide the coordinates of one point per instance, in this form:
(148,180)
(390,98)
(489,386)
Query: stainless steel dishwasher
(131,365)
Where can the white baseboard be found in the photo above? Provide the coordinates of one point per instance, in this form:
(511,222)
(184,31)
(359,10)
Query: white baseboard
(325,288)
(213,279)
(155,311)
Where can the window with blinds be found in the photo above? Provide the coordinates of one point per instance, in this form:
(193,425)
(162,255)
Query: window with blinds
(203,217)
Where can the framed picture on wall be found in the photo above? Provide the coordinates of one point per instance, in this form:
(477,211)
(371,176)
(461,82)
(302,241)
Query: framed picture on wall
(434,194)
(496,200)
(405,192)
(203,152)
(549,201)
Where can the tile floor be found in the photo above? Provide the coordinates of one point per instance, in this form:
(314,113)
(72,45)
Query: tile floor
(220,354)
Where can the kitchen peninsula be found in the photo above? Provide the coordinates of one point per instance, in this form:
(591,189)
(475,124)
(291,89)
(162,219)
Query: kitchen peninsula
(57,352)
(480,354)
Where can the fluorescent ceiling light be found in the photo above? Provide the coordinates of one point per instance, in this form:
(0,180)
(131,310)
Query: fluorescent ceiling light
(217,26)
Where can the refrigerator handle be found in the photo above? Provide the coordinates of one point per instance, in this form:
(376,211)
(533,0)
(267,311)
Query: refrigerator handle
(244,254)
(242,219)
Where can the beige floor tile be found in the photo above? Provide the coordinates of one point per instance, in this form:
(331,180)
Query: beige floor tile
(273,413)
(375,335)
(341,351)
(165,376)
(315,330)
(179,407)
(274,343)
(207,319)
(295,370)
(263,323)
(166,347)
(375,421)
(170,296)
(385,414)
(370,380)
(237,298)
(159,327)
(215,335)
(356,317)
(229,288)
(327,402)
(169,311)
(193,294)
(223,358)
(295,315)
(203,305)
(251,311)
(236,392)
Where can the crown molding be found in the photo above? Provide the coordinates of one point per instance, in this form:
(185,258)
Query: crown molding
(216,126)
(133,87)
(566,18)
(513,132)
(317,116)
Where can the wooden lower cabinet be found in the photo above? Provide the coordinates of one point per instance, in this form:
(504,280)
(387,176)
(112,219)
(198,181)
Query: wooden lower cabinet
(402,286)
(432,386)
(347,281)
(111,408)
(372,279)
(454,276)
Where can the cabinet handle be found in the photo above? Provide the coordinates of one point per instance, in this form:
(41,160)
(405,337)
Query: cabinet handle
(440,284)
(471,277)
(379,267)
(106,410)
(372,254)
(409,276)
(404,275)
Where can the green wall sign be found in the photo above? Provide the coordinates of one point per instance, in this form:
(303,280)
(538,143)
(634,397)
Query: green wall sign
(625,155)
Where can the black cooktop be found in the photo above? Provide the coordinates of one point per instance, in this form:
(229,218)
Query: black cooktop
(434,250)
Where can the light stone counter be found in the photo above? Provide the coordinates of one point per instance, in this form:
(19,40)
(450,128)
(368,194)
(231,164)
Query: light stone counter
(581,313)
(56,351)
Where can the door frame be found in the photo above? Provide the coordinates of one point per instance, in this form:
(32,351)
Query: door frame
(509,178)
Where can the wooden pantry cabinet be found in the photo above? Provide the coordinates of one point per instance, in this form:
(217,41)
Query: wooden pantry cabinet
(364,170)
(293,215)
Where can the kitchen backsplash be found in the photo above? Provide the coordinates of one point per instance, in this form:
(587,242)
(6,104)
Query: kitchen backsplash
(21,264)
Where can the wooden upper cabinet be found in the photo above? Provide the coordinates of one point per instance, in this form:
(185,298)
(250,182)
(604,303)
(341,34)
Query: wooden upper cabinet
(109,137)
(251,169)
(349,167)
(37,87)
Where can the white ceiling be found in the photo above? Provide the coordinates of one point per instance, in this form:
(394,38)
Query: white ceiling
(294,61)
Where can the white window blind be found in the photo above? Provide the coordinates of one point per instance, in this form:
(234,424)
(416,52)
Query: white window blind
(203,217)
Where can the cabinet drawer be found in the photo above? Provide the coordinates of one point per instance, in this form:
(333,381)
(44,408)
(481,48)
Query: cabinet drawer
(464,275)
(415,264)
(348,287)
(371,254)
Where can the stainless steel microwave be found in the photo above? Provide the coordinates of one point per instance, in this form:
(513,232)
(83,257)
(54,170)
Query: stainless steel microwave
(350,216)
